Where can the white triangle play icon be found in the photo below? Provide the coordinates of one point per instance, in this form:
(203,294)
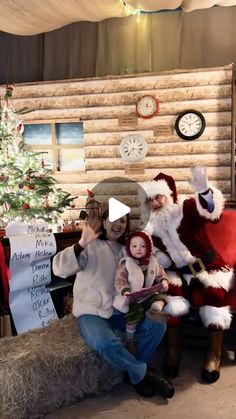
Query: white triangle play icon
(117,209)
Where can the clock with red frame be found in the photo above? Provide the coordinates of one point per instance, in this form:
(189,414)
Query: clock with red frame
(147,106)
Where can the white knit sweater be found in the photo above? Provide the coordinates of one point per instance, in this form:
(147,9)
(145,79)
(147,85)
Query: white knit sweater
(95,272)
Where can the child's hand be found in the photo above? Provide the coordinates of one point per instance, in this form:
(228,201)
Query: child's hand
(126,295)
(88,234)
(164,285)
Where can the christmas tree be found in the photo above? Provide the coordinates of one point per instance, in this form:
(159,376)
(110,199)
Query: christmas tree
(27,191)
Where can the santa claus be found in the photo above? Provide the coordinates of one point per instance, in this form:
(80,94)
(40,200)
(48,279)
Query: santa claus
(198,274)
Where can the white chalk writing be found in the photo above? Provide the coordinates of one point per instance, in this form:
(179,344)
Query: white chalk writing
(30,300)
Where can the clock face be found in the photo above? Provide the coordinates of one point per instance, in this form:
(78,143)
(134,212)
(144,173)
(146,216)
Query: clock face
(190,124)
(133,148)
(147,106)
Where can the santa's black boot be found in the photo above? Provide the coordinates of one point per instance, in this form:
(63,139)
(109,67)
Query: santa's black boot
(211,367)
(172,361)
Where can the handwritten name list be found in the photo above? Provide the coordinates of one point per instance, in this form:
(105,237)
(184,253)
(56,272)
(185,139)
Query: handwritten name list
(30,266)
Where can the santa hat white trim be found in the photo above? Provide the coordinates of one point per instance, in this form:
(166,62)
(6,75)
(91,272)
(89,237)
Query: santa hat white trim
(153,188)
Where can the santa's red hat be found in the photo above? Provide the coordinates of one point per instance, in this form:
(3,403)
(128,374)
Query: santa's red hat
(148,241)
(161,185)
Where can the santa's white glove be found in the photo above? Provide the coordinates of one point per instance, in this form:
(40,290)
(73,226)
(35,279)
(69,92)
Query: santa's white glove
(199,180)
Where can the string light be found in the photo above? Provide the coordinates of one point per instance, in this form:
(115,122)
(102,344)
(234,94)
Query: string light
(130,10)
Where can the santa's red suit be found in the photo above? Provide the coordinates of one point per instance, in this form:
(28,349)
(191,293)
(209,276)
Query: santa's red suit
(179,232)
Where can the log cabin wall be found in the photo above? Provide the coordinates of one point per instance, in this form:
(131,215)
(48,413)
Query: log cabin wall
(106,106)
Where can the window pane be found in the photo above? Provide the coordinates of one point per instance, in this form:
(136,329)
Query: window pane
(72,159)
(70,133)
(37,134)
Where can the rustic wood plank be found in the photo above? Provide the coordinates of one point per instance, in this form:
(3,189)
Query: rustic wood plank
(160,161)
(111,125)
(106,138)
(166,79)
(94,176)
(124,98)
(125,190)
(109,112)
(177,148)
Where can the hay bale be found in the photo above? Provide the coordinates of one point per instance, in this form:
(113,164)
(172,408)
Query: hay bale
(48,368)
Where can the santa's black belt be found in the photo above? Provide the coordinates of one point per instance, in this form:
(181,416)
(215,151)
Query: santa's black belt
(199,265)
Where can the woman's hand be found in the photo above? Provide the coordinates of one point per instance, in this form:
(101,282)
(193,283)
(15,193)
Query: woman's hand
(88,234)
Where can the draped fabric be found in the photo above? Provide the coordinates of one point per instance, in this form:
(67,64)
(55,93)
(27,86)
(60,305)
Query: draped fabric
(129,45)
(24,17)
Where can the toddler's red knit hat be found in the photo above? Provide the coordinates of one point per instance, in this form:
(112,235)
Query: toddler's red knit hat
(146,237)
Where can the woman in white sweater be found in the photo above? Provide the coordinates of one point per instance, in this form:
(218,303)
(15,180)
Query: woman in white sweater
(94,261)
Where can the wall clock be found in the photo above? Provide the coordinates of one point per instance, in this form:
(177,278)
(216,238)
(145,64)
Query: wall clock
(133,148)
(147,106)
(190,124)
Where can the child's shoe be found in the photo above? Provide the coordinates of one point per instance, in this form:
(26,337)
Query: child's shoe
(156,315)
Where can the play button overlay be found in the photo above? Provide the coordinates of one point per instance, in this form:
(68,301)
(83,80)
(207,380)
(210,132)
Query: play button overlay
(117,197)
(117,209)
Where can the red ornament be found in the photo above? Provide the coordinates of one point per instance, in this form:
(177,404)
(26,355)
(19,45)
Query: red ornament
(90,193)
(25,206)
(20,128)
(3,178)
(31,186)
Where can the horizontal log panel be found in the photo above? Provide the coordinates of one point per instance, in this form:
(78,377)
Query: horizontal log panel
(179,174)
(146,81)
(108,138)
(108,112)
(210,133)
(126,98)
(162,161)
(106,188)
(189,147)
(125,190)
(94,176)
(135,225)
(177,148)
(185,188)
(111,125)
(222,133)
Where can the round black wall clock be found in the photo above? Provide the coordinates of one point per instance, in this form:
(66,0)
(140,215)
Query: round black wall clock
(190,124)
